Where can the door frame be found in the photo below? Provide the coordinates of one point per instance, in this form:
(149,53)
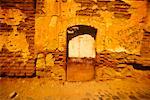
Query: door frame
(77,30)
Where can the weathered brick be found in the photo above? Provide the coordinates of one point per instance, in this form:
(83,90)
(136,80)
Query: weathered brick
(11,62)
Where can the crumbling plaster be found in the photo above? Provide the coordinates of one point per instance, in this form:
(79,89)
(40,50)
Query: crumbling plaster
(14,40)
(147,26)
(114,34)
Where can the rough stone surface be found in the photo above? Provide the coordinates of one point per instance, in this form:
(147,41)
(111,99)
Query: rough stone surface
(58,73)
(33,35)
(49,60)
(17,31)
(105,73)
(51,64)
(145,48)
(147,26)
(40,63)
(119,27)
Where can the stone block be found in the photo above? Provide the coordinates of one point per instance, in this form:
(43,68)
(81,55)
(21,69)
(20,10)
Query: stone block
(105,73)
(49,60)
(58,73)
(121,65)
(40,55)
(40,63)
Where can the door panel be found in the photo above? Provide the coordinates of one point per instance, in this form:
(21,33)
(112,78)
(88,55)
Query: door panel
(81,56)
(80,69)
(82,46)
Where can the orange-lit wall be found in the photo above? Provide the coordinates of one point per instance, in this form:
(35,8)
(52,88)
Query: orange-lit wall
(116,34)
(33,33)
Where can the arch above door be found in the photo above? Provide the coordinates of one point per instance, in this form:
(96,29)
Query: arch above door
(76,30)
(81,37)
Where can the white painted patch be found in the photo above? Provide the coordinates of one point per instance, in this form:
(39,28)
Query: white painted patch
(82,46)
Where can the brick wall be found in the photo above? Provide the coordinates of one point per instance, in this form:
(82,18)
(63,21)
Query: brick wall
(17,62)
(145,49)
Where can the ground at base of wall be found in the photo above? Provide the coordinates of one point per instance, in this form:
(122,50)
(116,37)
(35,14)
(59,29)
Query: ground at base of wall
(129,88)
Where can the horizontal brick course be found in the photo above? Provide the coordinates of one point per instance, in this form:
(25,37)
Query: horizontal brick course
(11,63)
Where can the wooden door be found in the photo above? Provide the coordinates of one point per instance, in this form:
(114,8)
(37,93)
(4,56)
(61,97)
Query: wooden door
(81,54)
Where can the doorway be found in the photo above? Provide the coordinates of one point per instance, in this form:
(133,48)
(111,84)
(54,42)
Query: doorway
(80,52)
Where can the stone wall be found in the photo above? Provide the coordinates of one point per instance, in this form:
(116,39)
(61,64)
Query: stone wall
(51,64)
(33,34)
(145,49)
(17,19)
(147,20)
(119,23)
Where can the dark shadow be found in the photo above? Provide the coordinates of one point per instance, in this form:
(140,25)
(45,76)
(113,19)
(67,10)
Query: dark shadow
(140,67)
(80,30)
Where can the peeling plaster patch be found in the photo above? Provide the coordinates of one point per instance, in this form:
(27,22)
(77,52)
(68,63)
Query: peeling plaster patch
(40,63)
(53,21)
(147,27)
(131,39)
(11,16)
(119,49)
(18,43)
(107,25)
(14,41)
(3,39)
(49,60)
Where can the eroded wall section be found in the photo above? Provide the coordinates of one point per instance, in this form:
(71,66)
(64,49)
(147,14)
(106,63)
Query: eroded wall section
(17,37)
(119,23)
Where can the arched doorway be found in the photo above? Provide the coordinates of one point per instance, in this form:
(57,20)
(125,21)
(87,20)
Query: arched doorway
(80,52)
